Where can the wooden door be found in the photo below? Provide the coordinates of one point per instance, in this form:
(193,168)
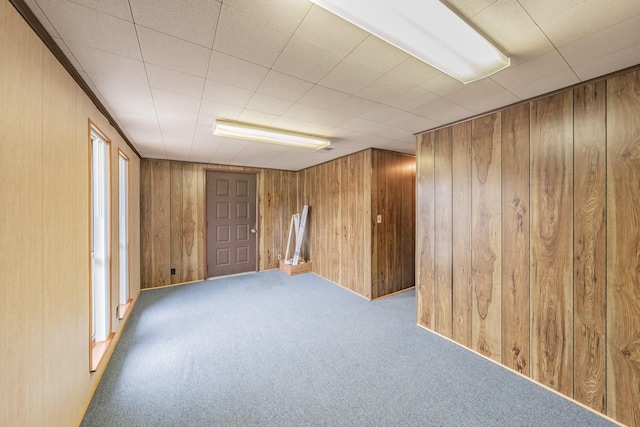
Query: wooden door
(231,223)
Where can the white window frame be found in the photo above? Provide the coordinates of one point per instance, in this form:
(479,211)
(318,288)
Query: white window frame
(124,299)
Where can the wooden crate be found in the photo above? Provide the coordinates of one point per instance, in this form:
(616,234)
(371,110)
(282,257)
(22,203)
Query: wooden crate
(292,270)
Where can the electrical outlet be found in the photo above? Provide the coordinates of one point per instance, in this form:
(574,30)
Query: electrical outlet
(279,257)
(379,219)
(173,271)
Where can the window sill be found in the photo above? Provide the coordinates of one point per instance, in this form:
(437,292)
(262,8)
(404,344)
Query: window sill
(122,309)
(98,350)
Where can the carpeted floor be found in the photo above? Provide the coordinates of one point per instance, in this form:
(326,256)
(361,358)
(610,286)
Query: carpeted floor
(270,350)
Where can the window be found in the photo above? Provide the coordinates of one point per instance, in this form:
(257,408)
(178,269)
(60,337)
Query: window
(123,234)
(100,289)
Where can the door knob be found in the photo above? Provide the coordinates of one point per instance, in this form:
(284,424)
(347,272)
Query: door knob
(253,230)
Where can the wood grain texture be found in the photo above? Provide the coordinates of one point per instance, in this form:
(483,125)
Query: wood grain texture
(190,220)
(486,236)
(176,221)
(589,243)
(515,238)
(461,234)
(21,218)
(551,242)
(443,203)
(146,264)
(393,238)
(160,216)
(623,248)
(66,166)
(425,232)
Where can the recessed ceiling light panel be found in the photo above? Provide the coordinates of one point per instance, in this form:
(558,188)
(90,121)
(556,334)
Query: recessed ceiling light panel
(426,29)
(251,132)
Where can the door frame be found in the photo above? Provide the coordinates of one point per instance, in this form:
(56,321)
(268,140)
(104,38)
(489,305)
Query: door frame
(245,171)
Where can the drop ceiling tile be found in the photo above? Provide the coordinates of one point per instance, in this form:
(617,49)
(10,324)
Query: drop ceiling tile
(163,98)
(173,53)
(268,104)
(257,117)
(225,94)
(342,37)
(322,97)
(542,10)
(413,71)
(547,84)
(383,89)
(412,98)
(412,123)
(174,81)
(377,55)
(210,110)
(285,87)
(121,89)
(603,43)
(355,105)
(76,23)
(99,62)
(442,85)
(512,30)
(64,47)
(230,70)
(117,8)
(289,123)
(349,77)
(176,125)
(303,112)
(285,14)
(468,8)
(190,20)
(247,37)
(516,79)
(380,114)
(42,18)
(331,118)
(586,18)
(227,150)
(482,95)
(305,60)
(442,110)
(608,63)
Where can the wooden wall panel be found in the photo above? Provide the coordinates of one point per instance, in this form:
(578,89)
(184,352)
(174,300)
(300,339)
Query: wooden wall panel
(443,286)
(160,217)
(623,248)
(425,232)
(393,174)
(555,208)
(191,250)
(172,218)
(589,243)
(176,221)
(44,224)
(515,238)
(65,216)
(21,218)
(551,242)
(486,236)
(339,194)
(461,233)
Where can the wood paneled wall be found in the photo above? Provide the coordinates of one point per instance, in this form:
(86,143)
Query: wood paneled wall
(173,218)
(528,240)
(345,243)
(393,239)
(44,229)
(339,237)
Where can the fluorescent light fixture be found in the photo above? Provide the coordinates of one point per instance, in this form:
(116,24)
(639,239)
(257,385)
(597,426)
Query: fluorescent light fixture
(426,29)
(265,134)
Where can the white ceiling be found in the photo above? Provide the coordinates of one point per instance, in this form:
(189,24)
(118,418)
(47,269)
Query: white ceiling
(166,69)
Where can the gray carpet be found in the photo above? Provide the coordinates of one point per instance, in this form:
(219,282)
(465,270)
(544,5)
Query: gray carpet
(270,350)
